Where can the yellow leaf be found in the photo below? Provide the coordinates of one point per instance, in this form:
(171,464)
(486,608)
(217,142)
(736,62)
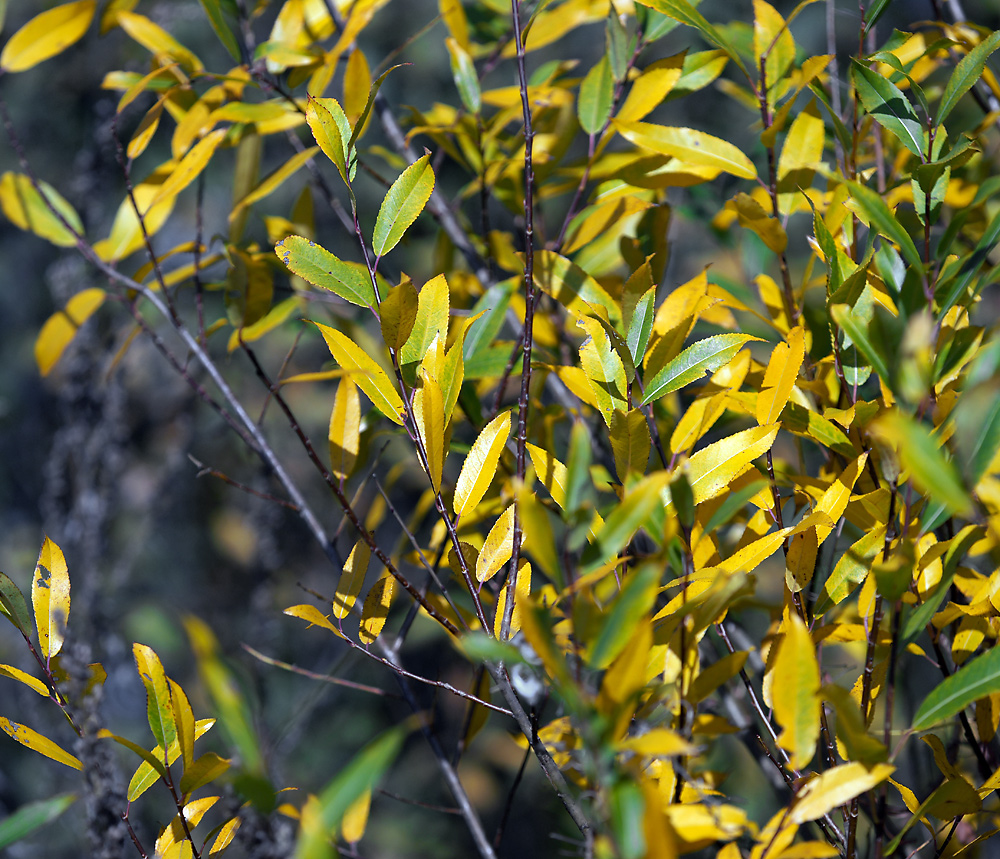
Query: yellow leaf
(376,609)
(351,580)
(522,593)
(428,409)
(61,327)
(604,370)
(46,35)
(752,216)
(345,429)
(689,146)
(772,43)
(780,376)
(126,233)
(835,787)
(355,819)
(32,210)
(658,742)
(803,147)
(712,468)
(397,314)
(800,560)
(35,741)
(480,464)
(795,693)
(370,377)
(158,41)
(274,180)
(454,18)
(834,500)
(630,442)
(650,88)
(189,167)
(313,616)
(32,683)
(498,548)
(225,836)
(357,83)
(50,598)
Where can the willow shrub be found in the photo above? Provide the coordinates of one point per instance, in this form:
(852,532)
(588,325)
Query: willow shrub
(616,467)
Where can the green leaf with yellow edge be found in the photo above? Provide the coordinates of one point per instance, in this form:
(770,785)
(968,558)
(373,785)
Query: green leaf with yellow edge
(428,409)
(331,130)
(13,605)
(571,286)
(704,356)
(31,210)
(967,73)
(31,816)
(344,434)
(36,742)
(480,464)
(322,815)
(376,609)
(321,268)
(61,327)
(368,375)
(920,454)
(686,13)
(159,704)
(888,106)
(50,598)
(978,678)
(625,519)
(397,314)
(605,371)
(780,377)
(689,146)
(184,717)
(835,787)
(636,600)
(596,95)
(795,693)
(498,547)
(751,216)
(875,211)
(351,579)
(851,570)
(47,34)
(433,304)
(214,12)
(403,202)
(712,468)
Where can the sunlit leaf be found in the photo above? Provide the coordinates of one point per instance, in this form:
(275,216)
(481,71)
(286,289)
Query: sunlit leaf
(47,34)
(403,202)
(50,598)
(795,692)
(376,608)
(480,464)
(780,376)
(498,547)
(159,703)
(36,742)
(60,328)
(835,787)
(351,579)
(700,358)
(888,106)
(712,468)
(689,146)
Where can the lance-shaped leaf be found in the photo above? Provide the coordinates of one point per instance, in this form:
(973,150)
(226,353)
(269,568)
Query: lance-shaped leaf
(28,680)
(189,167)
(34,815)
(630,442)
(159,704)
(376,609)
(571,286)
(712,468)
(705,356)
(834,500)
(480,464)
(498,547)
(184,717)
(351,579)
(522,594)
(428,409)
(625,519)
(214,12)
(368,375)
(345,429)
(689,146)
(968,71)
(686,13)
(851,569)
(888,106)
(397,314)
(61,327)
(431,321)
(463,71)
(976,679)
(50,598)
(858,330)
(753,217)
(331,130)
(640,322)
(876,212)
(151,770)
(47,34)
(605,372)
(13,605)
(402,203)
(630,606)
(29,210)
(795,693)
(207,768)
(780,376)
(352,827)
(36,742)
(323,269)
(596,95)
(314,617)
(835,787)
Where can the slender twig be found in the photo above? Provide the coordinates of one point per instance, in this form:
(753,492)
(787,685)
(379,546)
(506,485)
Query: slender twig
(313,675)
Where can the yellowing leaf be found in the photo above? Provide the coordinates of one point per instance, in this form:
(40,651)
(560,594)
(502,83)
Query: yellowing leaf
(851,569)
(834,501)
(351,580)
(780,376)
(189,167)
(274,180)
(61,327)
(800,560)
(159,704)
(431,321)
(650,88)
(332,130)
(403,202)
(795,693)
(50,598)
(397,314)
(32,683)
(772,43)
(352,827)
(480,464)
(357,83)
(835,787)
(345,429)
(376,609)
(752,216)
(31,210)
(455,20)
(688,146)
(47,34)
(521,595)
(428,408)
(370,377)
(498,548)
(158,41)
(658,743)
(313,616)
(630,442)
(712,468)
(803,146)
(323,269)
(35,741)
(605,372)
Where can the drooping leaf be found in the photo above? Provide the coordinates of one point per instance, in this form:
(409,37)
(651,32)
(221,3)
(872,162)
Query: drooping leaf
(47,34)
(32,816)
(314,617)
(571,286)
(323,269)
(428,409)
(780,376)
(345,429)
(36,742)
(403,202)
(50,598)
(704,356)
(213,10)
(686,13)
(13,605)
(32,210)
(851,569)
(376,608)
(795,693)
(397,314)
(630,442)
(480,464)
(522,593)
(498,547)
(61,327)
(351,579)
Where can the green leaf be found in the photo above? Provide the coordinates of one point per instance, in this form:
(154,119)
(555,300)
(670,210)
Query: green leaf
(968,71)
(876,211)
(857,330)
(32,816)
(640,326)
(626,518)
(635,601)
(159,705)
(463,70)
(970,267)
(976,420)
(888,106)
(321,818)
(321,268)
(874,12)
(681,10)
(596,96)
(331,129)
(974,680)
(433,308)
(403,202)
(214,12)
(14,606)
(705,356)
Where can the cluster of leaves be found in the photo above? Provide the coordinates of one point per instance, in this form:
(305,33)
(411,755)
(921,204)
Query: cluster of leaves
(615,471)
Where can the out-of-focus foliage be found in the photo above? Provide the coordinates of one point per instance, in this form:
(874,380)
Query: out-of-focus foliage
(689,537)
